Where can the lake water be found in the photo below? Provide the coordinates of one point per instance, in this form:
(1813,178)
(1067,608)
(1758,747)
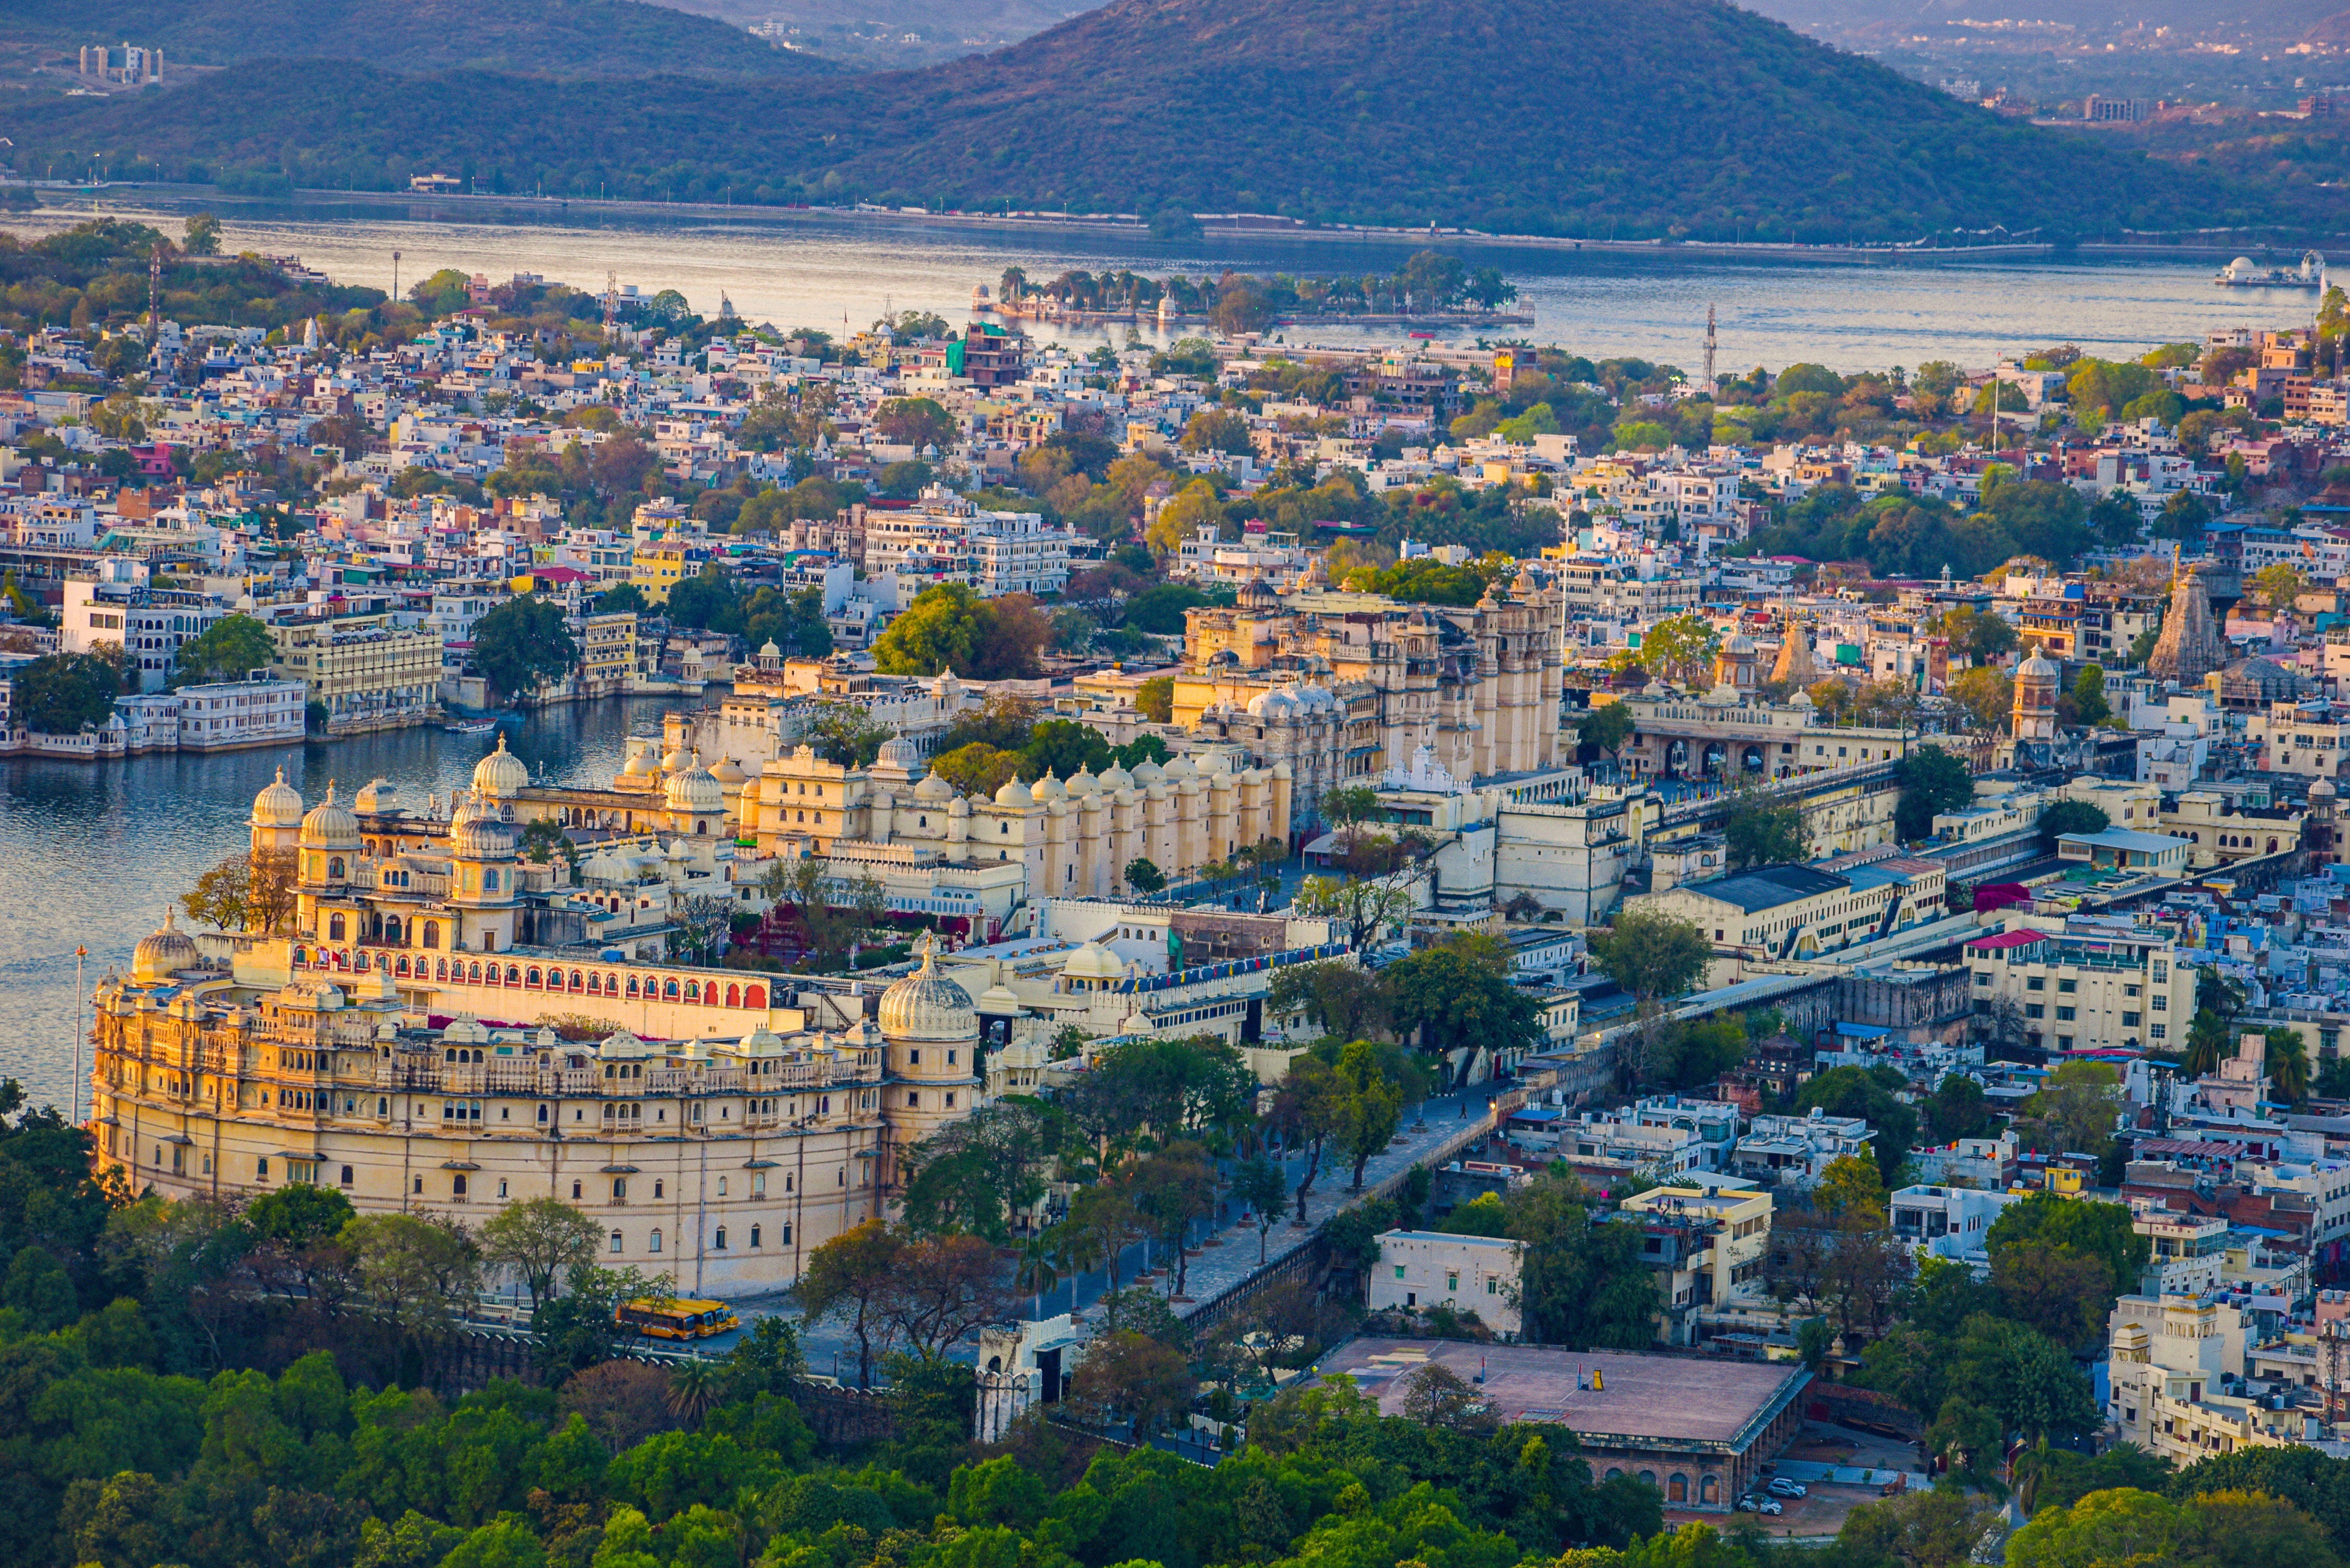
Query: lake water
(829,270)
(91,854)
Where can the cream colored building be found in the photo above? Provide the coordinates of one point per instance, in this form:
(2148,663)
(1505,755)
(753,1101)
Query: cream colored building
(716,1155)
(367,672)
(2085,985)
(2167,1357)
(1478,686)
(1723,1236)
(1803,911)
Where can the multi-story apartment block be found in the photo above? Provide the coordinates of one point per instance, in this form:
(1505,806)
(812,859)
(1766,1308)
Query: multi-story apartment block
(366,671)
(945,539)
(1707,1247)
(2086,986)
(1423,1269)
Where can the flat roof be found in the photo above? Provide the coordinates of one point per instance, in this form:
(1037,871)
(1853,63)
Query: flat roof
(2124,838)
(1768,887)
(1668,1403)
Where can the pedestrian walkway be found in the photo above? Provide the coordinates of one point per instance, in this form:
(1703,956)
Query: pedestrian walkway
(1227,1254)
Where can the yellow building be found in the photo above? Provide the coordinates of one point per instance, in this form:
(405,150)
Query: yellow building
(662,567)
(607,652)
(368,673)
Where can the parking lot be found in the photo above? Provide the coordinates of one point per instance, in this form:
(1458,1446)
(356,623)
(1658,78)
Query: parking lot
(1820,1513)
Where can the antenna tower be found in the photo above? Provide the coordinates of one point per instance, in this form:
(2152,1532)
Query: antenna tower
(1709,351)
(395,279)
(154,299)
(611,307)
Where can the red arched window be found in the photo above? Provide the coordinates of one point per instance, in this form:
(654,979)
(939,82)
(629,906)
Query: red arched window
(734,996)
(755,997)
(693,990)
(513,975)
(533,974)
(577,980)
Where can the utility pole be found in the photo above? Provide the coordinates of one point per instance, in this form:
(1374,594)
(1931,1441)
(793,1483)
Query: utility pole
(1709,351)
(395,279)
(154,297)
(611,307)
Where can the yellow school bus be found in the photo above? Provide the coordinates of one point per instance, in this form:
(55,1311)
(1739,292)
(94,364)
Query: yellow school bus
(678,1319)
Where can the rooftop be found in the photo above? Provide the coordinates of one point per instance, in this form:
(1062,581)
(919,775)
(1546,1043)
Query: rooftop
(1661,1401)
(1768,887)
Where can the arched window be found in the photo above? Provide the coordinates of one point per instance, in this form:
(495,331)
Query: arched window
(474,974)
(734,996)
(513,975)
(535,978)
(575,1192)
(669,990)
(335,866)
(755,997)
(595,985)
(693,990)
(334,928)
(440,966)
(1709,1489)
(1677,1491)
(400,967)
(457,1184)
(616,1241)
(392,930)
(431,933)
(575,980)
(489,881)
(633,985)
(1647,1477)
(754,1238)
(718,1242)
(620,1188)
(2273,844)
(654,1245)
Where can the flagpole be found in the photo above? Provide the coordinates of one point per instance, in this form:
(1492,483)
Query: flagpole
(73,1100)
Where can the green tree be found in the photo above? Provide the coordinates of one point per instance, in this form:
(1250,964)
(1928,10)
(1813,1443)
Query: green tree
(65,693)
(2099,1230)
(1459,996)
(1681,648)
(1764,835)
(1652,952)
(917,422)
(202,235)
(1261,1184)
(2089,695)
(1155,699)
(1932,780)
(1143,876)
(2278,585)
(1582,1281)
(231,649)
(2078,817)
(1607,726)
(524,645)
(951,628)
(540,1239)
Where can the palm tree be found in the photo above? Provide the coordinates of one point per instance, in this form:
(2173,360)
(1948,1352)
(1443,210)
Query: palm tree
(694,1390)
(2288,1065)
(2206,1041)
(1039,1258)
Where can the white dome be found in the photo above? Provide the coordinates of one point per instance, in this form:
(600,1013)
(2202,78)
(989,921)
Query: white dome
(1276,703)
(1014,793)
(2036,666)
(1094,961)
(1048,788)
(476,833)
(1083,783)
(1115,777)
(278,804)
(696,790)
(330,825)
(377,795)
(1149,773)
(501,776)
(933,789)
(1182,768)
(927,1005)
(163,954)
(898,752)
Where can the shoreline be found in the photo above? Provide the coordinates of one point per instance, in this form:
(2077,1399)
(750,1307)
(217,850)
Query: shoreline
(420,207)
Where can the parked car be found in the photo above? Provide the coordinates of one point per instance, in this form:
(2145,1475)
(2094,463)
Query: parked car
(1782,1487)
(1752,1503)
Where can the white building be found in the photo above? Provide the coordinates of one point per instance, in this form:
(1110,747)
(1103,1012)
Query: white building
(1421,1269)
(1948,1222)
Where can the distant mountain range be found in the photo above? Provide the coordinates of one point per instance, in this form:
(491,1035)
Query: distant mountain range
(526,37)
(1582,117)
